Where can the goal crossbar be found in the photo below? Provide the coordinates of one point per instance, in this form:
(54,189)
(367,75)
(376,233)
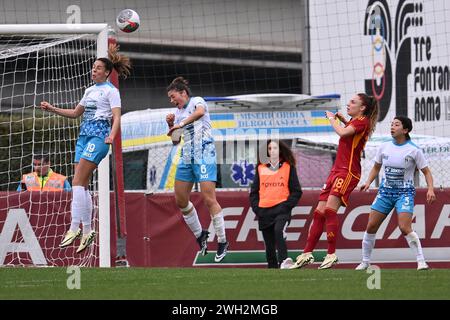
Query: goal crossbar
(67,28)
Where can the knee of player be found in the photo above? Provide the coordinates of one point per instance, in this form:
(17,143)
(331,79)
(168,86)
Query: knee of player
(210,201)
(183,205)
(372,228)
(78,182)
(405,229)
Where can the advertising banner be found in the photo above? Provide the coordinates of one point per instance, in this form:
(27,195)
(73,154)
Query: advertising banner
(162,239)
(159,237)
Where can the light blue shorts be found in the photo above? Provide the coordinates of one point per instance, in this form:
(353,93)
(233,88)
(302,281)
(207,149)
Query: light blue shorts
(93,149)
(196,172)
(384,203)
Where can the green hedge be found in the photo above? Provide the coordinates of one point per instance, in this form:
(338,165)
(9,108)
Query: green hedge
(22,134)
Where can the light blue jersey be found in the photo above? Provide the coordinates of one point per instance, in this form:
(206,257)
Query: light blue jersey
(198,155)
(198,140)
(399,162)
(98,101)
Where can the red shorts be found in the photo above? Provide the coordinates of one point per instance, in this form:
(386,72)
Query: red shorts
(339,184)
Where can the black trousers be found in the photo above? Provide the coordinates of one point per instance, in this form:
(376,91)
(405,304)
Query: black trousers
(274,240)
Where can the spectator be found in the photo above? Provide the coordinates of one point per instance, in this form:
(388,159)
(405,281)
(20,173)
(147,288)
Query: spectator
(43,178)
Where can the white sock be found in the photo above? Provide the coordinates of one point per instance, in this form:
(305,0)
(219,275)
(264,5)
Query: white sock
(192,220)
(219,227)
(414,243)
(77,207)
(368,244)
(87,216)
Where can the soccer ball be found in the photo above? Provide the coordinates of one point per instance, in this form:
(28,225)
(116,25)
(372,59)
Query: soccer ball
(128,20)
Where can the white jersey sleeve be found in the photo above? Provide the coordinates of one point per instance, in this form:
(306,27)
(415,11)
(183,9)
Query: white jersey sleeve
(196,101)
(114,98)
(379,156)
(421,162)
(83,100)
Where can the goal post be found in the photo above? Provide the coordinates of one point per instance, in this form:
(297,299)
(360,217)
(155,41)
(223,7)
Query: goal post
(71,90)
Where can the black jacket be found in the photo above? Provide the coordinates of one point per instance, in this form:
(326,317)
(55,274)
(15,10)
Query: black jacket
(283,210)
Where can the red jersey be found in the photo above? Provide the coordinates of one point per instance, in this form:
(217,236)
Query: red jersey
(348,157)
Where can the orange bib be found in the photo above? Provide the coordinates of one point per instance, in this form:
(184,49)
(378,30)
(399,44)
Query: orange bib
(273,185)
(55,182)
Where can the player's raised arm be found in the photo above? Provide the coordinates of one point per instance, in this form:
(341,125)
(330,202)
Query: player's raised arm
(341,131)
(69,113)
(341,117)
(170,119)
(197,114)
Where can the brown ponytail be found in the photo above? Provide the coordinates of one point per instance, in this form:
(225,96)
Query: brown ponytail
(121,63)
(117,61)
(179,84)
(372,110)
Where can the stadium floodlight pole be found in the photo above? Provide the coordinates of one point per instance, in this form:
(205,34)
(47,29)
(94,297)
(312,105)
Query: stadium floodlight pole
(101,30)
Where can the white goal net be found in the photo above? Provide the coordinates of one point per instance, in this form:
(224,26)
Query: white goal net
(33,68)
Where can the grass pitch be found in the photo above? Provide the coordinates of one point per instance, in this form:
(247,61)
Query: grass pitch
(222,284)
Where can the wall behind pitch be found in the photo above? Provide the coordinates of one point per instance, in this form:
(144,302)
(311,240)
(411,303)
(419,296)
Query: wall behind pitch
(398,51)
(159,237)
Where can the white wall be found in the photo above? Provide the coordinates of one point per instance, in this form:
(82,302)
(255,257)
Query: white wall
(343,57)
